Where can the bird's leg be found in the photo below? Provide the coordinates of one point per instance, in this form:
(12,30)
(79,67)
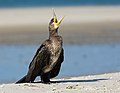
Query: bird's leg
(45,78)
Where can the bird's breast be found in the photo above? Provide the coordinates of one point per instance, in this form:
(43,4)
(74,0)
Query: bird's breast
(55,45)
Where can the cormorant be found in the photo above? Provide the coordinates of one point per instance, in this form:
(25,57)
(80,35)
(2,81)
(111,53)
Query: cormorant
(47,61)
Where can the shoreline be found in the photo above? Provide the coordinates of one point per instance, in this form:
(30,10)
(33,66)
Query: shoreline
(103,83)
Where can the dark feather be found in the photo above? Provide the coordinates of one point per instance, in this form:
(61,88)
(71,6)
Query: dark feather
(39,61)
(56,69)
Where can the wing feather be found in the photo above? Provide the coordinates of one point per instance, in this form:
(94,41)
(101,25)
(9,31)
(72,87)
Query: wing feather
(40,59)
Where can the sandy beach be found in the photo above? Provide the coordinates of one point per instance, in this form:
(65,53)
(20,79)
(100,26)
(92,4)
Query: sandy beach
(89,24)
(104,83)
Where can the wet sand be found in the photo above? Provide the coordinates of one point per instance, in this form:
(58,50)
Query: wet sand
(82,25)
(72,34)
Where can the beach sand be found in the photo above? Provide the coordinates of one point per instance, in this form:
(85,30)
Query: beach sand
(104,83)
(97,24)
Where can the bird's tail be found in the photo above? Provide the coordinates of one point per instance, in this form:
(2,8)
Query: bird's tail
(22,80)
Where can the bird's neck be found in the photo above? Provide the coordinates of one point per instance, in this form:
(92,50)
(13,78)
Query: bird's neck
(53,33)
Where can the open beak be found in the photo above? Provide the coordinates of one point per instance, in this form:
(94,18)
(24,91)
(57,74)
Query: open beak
(59,21)
(55,19)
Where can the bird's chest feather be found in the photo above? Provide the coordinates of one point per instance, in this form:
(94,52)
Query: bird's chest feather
(55,46)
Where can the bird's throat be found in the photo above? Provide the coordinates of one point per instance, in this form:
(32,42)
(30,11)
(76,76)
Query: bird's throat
(53,32)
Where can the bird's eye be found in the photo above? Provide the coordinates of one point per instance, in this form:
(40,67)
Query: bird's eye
(55,21)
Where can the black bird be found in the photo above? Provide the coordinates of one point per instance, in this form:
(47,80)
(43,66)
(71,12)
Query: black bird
(47,61)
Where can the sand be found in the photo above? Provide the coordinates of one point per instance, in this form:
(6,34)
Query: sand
(104,83)
(89,24)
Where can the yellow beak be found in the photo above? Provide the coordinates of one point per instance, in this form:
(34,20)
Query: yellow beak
(60,21)
(55,19)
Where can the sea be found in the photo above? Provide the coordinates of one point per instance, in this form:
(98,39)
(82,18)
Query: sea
(45,3)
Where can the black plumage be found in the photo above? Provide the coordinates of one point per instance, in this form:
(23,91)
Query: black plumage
(48,58)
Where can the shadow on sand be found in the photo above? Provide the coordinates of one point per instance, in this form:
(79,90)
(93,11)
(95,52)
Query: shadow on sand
(75,81)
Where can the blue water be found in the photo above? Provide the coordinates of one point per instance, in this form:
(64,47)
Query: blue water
(79,60)
(24,3)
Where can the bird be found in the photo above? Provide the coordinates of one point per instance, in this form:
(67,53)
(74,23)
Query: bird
(48,59)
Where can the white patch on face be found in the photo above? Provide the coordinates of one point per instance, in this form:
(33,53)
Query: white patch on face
(55,26)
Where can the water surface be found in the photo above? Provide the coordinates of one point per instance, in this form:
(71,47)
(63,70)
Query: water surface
(79,60)
(31,3)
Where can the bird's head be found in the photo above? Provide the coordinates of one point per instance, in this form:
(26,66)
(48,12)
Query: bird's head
(54,23)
